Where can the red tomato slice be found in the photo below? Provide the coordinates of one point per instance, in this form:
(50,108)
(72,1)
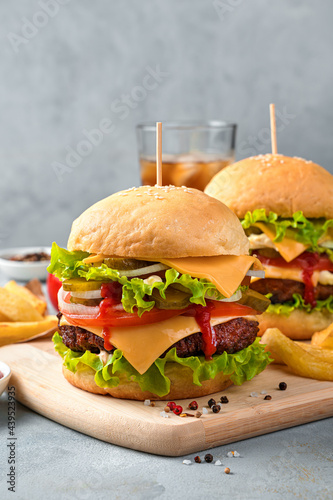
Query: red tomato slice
(307,260)
(123,318)
(231,309)
(116,318)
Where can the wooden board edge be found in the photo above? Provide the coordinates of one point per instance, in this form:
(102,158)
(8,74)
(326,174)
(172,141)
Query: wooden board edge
(164,437)
(258,420)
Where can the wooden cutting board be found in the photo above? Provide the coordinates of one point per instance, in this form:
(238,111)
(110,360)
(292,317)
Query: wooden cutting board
(41,386)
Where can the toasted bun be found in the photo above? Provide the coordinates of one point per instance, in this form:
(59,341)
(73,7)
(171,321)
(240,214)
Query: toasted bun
(182,386)
(276,183)
(299,325)
(155,222)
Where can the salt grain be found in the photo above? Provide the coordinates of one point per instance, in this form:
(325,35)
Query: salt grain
(218,462)
(204,411)
(146,402)
(187,462)
(254,395)
(164,414)
(263,392)
(232,454)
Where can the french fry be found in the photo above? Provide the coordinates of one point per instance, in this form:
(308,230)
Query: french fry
(37,303)
(3,317)
(319,352)
(10,333)
(299,361)
(16,308)
(323,338)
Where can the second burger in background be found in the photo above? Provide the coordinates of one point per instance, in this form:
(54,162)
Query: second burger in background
(286,208)
(154,299)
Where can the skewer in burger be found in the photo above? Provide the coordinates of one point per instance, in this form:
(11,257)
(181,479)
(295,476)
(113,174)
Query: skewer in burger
(286,208)
(154,300)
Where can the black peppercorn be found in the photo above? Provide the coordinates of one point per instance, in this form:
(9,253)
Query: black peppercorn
(224,399)
(211,402)
(208,458)
(197,459)
(268,397)
(282,386)
(216,408)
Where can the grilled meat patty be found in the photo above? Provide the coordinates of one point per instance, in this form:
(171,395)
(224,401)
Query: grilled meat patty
(232,336)
(283,290)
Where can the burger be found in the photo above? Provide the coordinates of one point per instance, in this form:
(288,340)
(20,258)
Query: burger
(154,301)
(286,208)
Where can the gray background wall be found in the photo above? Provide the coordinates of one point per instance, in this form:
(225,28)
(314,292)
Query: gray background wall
(64,71)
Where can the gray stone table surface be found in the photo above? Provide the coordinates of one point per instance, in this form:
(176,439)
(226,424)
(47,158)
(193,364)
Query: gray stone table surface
(54,462)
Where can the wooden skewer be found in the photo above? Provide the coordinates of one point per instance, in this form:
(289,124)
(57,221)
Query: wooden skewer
(273,128)
(158,153)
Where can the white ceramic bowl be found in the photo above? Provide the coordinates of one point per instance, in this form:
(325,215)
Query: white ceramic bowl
(23,271)
(5,370)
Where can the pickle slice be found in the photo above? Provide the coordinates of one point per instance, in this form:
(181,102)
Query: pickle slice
(268,252)
(255,300)
(85,302)
(174,299)
(126,264)
(81,285)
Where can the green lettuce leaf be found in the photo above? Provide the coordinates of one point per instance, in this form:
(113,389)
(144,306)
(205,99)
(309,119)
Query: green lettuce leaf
(67,265)
(304,230)
(298,303)
(241,366)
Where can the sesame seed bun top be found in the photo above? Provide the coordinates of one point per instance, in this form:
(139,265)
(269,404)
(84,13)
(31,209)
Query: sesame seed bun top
(155,222)
(276,183)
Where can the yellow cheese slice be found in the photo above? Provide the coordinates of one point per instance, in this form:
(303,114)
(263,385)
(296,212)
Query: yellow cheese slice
(142,345)
(226,272)
(94,258)
(288,248)
(283,273)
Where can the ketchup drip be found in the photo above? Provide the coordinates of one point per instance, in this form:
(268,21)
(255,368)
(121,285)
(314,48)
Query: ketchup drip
(106,336)
(202,316)
(308,262)
(111,293)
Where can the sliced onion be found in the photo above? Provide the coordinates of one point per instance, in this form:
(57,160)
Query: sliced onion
(91,294)
(154,268)
(80,309)
(236,296)
(256,274)
(70,308)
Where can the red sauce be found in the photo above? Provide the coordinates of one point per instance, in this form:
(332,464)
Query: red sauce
(111,292)
(202,316)
(106,336)
(308,262)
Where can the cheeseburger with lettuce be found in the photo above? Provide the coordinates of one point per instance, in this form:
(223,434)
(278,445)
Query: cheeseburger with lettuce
(155,300)
(286,208)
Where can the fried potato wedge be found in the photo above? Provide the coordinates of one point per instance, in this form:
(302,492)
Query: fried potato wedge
(37,303)
(323,338)
(3,317)
(319,352)
(299,361)
(10,333)
(17,308)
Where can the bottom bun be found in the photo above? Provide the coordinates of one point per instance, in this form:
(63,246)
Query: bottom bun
(182,386)
(299,325)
